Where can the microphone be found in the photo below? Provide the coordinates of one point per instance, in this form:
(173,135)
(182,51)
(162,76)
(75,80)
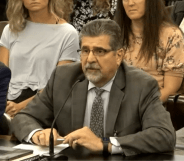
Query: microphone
(51,139)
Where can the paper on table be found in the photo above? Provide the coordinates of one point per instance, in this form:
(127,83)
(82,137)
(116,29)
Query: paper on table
(40,150)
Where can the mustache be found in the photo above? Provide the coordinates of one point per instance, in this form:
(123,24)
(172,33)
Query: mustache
(93,66)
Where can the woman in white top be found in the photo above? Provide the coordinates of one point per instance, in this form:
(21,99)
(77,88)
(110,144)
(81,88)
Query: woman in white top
(35,41)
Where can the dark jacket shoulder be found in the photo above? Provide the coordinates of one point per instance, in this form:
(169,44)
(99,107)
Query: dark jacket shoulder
(139,77)
(179,6)
(69,73)
(178,12)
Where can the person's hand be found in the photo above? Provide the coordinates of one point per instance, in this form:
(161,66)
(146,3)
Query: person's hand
(86,138)
(42,137)
(12,108)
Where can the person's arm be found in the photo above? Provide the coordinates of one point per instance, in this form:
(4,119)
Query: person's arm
(4,55)
(37,115)
(157,134)
(172,63)
(171,86)
(13,108)
(5,45)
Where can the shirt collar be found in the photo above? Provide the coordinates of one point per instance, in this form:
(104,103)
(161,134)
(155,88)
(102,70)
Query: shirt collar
(106,87)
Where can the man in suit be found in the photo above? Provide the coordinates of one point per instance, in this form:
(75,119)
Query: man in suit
(112,102)
(5,75)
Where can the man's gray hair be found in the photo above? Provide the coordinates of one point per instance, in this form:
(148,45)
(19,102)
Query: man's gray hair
(103,27)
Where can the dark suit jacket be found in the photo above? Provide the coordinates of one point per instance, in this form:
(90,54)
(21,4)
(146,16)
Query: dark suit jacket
(134,111)
(5,75)
(178,12)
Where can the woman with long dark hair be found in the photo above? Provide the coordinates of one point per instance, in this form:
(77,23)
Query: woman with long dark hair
(36,40)
(153,43)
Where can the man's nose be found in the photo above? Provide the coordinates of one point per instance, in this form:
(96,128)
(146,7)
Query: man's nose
(131,2)
(91,57)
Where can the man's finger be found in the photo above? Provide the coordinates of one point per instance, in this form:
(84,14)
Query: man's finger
(71,140)
(11,106)
(47,139)
(35,138)
(72,136)
(74,144)
(80,142)
(68,140)
(42,138)
(8,108)
(11,113)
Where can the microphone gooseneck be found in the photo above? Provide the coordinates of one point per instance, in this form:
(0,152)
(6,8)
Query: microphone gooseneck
(51,139)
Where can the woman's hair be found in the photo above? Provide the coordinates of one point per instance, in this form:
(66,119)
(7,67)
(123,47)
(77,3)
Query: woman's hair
(155,16)
(17,13)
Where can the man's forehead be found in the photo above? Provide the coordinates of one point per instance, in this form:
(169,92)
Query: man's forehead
(102,36)
(95,40)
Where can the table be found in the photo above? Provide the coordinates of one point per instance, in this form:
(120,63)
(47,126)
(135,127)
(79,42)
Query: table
(83,154)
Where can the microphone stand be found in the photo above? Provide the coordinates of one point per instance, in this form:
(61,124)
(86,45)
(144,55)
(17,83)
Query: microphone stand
(53,157)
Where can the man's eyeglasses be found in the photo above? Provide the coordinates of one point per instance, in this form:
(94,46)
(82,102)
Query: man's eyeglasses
(96,51)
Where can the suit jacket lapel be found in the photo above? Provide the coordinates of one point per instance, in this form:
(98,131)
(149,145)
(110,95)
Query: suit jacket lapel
(79,98)
(116,96)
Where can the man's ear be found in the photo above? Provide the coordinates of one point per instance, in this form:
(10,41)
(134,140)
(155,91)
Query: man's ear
(119,56)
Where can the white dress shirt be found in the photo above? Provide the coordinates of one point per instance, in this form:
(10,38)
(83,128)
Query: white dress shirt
(116,148)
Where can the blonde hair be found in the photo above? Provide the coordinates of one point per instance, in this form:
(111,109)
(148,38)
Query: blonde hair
(17,13)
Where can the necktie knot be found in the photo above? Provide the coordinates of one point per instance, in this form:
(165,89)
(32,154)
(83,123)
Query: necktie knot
(99,91)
